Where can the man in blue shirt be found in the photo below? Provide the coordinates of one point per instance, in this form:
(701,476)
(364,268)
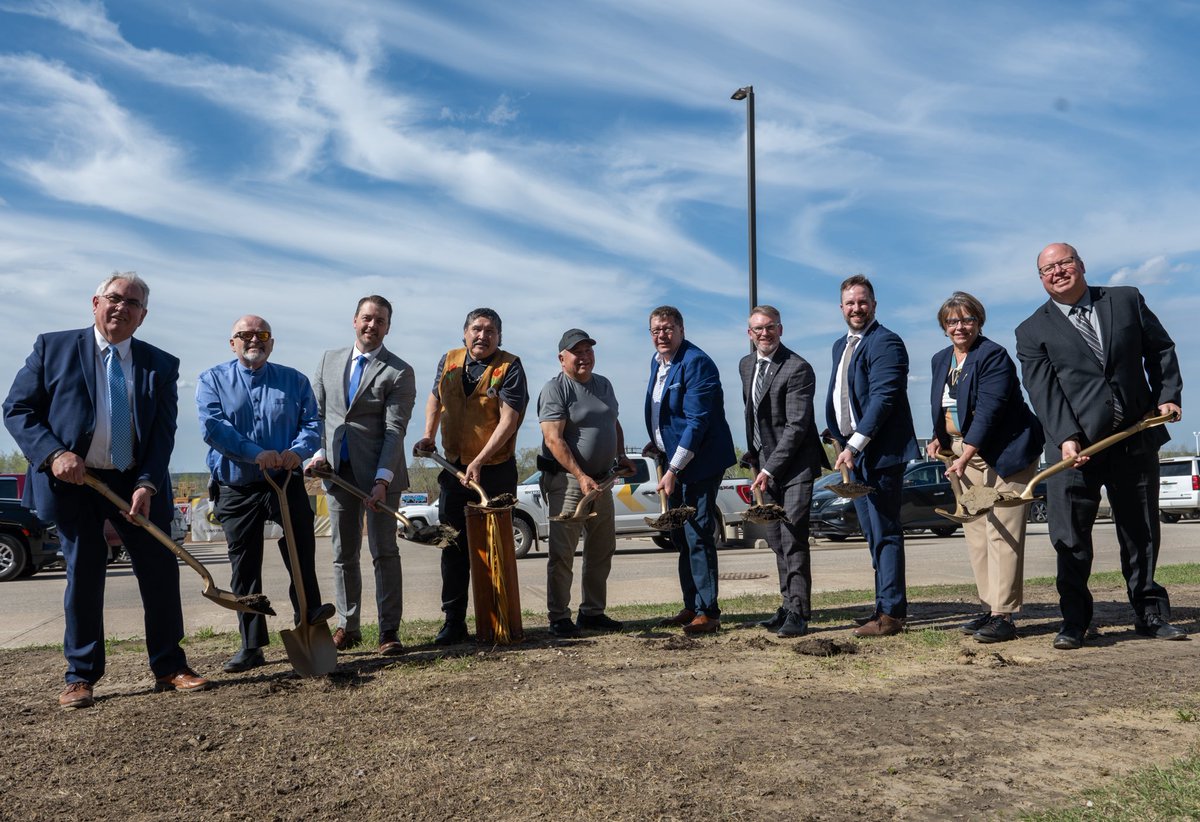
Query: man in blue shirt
(260,417)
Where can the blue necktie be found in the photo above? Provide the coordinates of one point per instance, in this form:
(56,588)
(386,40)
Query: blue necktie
(120,421)
(360,362)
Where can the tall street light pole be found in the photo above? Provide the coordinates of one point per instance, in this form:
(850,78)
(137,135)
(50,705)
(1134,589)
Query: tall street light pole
(747,94)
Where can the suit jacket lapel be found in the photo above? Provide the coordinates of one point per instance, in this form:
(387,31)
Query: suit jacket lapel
(87,361)
(1104,319)
(1066,328)
(141,366)
(372,369)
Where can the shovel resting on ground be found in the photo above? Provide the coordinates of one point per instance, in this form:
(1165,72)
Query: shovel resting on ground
(581,512)
(848,489)
(252,604)
(439,536)
(668,520)
(980,500)
(309,647)
(960,513)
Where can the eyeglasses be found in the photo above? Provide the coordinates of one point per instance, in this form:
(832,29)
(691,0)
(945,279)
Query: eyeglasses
(662,330)
(1050,268)
(248,336)
(951,322)
(118,300)
(759,330)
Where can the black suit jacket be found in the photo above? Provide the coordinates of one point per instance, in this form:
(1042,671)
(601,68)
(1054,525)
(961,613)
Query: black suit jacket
(790,442)
(1070,391)
(992,415)
(52,405)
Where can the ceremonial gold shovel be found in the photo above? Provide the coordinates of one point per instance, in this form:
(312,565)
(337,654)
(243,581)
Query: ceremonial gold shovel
(846,489)
(252,604)
(765,513)
(960,513)
(672,519)
(309,646)
(439,536)
(581,512)
(980,500)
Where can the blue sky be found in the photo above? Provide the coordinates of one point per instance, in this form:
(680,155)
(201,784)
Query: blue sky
(576,164)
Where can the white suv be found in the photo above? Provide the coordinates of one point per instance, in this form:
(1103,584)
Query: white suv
(1178,488)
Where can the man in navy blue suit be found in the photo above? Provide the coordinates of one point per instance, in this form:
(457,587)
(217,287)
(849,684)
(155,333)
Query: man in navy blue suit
(98,401)
(685,416)
(867,412)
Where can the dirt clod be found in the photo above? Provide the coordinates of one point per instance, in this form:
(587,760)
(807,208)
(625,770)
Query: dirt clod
(821,646)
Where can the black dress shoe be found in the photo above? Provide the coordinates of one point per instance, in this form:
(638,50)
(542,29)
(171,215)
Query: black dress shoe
(1069,639)
(453,632)
(997,629)
(976,622)
(321,613)
(565,629)
(793,625)
(775,622)
(1155,627)
(599,622)
(244,660)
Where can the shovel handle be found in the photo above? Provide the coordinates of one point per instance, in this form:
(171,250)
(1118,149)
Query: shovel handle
(289,534)
(99,485)
(845,474)
(758,497)
(326,474)
(484,500)
(1094,448)
(662,495)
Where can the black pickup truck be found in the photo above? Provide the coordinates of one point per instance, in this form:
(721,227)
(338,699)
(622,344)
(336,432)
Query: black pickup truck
(27,544)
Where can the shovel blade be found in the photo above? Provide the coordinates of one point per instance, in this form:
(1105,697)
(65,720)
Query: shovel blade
(254,604)
(957,517)
(310,649)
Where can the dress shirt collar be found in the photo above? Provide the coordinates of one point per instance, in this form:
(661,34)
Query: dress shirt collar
(122,347)
(370,355)
(860,334)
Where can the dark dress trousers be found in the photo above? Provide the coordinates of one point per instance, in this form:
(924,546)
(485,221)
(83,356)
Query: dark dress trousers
(1074,396)
(878,386)
(791,452)
(52,406)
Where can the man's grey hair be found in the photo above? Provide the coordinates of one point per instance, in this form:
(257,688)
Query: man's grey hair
(127,276)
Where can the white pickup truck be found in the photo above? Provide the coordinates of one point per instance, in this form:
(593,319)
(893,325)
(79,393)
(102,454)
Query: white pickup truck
(634,499)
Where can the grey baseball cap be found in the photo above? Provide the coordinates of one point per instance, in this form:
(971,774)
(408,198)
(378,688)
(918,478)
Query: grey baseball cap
(574,337)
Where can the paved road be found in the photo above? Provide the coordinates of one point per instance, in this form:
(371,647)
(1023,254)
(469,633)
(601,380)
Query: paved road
(31,609)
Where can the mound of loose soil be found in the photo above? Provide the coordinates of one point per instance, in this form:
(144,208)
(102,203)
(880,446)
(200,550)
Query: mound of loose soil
(646,724)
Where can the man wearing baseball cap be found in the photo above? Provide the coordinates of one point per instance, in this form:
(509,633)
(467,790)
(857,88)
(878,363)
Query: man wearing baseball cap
(582,437)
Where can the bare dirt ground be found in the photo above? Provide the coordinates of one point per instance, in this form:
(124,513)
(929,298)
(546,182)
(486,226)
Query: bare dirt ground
(643,725)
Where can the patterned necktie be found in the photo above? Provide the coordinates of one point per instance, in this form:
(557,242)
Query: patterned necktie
(1079,316)
(119,418)
(760,386)
(846,426)
(360,363)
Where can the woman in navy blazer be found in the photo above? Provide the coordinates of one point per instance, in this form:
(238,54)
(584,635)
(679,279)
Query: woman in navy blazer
(980,416)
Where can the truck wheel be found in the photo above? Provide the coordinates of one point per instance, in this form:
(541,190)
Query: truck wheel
(944,532)
(523,537)
(1165,517)
(1037,511)
(718,530)
(663,541)
(13,558)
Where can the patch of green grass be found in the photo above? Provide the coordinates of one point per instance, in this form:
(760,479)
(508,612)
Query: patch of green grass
(1186,715)
(931,638)
(1187,573)
(1153,793)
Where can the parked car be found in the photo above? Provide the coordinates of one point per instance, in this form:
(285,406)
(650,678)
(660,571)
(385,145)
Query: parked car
(634,499)
(27,544)
(925,488)
(1178,488)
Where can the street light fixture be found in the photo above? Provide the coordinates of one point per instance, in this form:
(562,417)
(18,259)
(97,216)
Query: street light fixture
(747,93)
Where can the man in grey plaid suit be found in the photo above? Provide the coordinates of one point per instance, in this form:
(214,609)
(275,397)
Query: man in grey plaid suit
(785,451)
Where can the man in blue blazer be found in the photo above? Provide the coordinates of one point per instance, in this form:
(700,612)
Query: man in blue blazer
(867,412)
(685,417)
(98,401)
(1096,360)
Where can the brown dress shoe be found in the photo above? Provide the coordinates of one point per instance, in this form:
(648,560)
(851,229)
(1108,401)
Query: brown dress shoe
(343,640)
(883,625)
(389,643)
(702,624)
(77,695)
(684,617)
(185,679)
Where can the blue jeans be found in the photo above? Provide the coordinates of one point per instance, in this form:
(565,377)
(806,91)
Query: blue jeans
(879,517)
(696,547)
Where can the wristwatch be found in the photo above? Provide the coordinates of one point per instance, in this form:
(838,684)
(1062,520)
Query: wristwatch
(854,452)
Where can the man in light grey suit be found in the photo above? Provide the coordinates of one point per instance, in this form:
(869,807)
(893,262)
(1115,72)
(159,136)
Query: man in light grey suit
(785,450)
(365,395)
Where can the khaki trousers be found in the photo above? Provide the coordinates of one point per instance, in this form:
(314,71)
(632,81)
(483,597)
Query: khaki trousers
(599,544)
(996,543)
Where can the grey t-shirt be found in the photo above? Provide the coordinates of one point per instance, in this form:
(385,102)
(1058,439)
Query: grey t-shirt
(590,411)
